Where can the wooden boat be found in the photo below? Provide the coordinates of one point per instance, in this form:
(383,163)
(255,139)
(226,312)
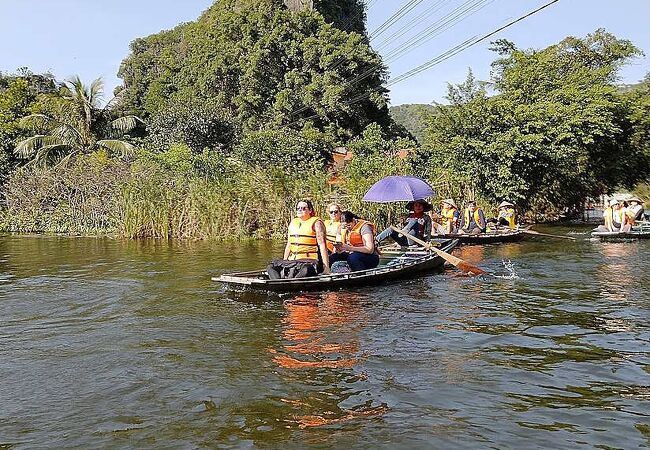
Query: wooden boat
(491,237)
(616,236)
(394,265)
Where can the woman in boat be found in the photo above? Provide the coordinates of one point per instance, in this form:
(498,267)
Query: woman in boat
(358,243)
(418,224)
(333,225)
(473,220)
(635,210)
(449,217)
(306,252)
(615,218)
(506,216)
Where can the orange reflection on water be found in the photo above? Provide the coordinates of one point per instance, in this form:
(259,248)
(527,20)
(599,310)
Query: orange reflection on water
(320,332)
(472,253)
(614,276)
(317,421)
(319,327)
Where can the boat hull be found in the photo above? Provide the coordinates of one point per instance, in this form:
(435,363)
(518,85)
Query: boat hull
(615,236)
(489,238)
(408,265)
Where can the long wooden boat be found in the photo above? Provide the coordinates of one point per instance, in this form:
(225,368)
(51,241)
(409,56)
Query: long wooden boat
(395,265)
(616,236)
(491,237)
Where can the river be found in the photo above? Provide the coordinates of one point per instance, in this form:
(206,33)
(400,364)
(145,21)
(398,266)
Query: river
(128,344)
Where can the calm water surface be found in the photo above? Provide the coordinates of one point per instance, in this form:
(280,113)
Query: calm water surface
(116,344)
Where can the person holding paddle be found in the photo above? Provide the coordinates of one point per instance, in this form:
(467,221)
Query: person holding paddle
(417,224)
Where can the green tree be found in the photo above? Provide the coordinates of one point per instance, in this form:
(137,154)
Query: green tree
(74,123)
(263,65)
(556,131)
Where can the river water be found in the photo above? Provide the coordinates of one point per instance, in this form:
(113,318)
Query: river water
(122,344)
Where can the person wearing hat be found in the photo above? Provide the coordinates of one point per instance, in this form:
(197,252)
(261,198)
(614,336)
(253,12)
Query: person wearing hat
(615,218)
(506,216)
(473,220)
(450,216)
(418,224)
(635,210)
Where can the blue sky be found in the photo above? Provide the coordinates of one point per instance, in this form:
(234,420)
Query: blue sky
(89,38)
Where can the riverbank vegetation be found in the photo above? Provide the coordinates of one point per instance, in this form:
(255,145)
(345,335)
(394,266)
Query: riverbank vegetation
(223,123)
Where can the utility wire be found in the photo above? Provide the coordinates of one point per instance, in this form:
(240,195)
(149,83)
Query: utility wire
(438,59)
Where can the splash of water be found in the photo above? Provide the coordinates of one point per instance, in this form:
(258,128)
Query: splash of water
(510,269)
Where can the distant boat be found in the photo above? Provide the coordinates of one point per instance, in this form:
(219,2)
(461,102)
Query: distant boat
(492,237)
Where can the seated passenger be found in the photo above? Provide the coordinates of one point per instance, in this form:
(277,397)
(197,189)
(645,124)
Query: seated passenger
(635,210)
(358,243)
(473,220)
(417,224)
(450,216)
(615,218)
(506,216)
(333,225)
(306,252)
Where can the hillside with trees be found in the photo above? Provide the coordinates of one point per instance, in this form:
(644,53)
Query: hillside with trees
(223,123)
(413,117)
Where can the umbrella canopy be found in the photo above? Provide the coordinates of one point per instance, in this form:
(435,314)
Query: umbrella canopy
(398,189)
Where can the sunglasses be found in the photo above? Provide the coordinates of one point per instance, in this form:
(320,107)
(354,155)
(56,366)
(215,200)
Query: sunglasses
(334,211)
(301,208)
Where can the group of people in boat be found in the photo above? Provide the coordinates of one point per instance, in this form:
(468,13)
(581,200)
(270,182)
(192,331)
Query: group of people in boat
(346,242)
(621,215)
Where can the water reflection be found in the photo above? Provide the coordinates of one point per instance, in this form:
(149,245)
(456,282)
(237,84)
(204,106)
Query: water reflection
(320,348)
(614,275)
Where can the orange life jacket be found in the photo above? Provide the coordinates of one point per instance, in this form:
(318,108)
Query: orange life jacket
(353,237)
(477,219)
(332,228)
(302,239)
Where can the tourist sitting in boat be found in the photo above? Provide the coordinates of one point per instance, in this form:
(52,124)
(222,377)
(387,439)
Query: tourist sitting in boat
(449,217)
(418,224)
(635,210)
(615,218)
(358,243)
(473,220)
(506,216)
(333,225)
(306,252)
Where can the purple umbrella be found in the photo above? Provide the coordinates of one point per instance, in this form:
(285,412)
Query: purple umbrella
(398,189)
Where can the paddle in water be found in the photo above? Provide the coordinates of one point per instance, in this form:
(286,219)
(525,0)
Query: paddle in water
(537,233)
(451,259)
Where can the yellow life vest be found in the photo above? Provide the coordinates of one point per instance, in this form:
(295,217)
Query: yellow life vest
(448,218)
(354,237)
(332,228)
(477,219)
(302,239)
(509,215)
(614,219)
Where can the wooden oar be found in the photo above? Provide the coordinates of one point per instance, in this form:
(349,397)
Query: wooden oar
(537,233)
(451,259)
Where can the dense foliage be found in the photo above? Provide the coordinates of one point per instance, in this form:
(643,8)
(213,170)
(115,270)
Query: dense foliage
(413,117)
(74,122)
(556,131)
(244,107)
(264,66)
